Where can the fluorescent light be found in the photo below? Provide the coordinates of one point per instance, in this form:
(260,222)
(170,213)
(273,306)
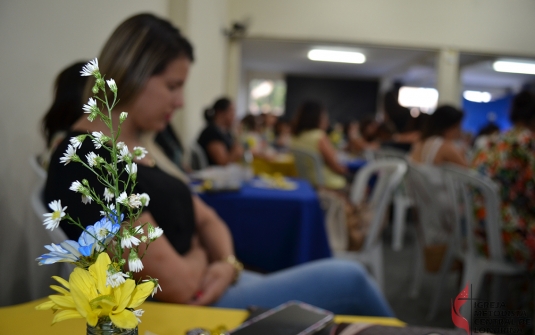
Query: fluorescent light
(423,98)
(338,56)
(477,96)
(510,66)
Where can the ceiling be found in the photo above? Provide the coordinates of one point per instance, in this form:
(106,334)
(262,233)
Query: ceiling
(413,67)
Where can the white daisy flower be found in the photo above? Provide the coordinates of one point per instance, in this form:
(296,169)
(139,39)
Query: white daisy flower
(90,69)
(76,186)
(98,139)
(134,263)
(134,201)
(69,155)
(92,159)
(91,106)
(86,199)
(76,141)
(52,219)
(112,85)
(123,116)
(131,169)
(138,230)
(66,251)
(138,313)
(144,197)
(108,195)
(128,240)
(154,232)
(120,145)
(123,198)
(123,153)
(115,279)
(139,152)
(111,207)
(156,285)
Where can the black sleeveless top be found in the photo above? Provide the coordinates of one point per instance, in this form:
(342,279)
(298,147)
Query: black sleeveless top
(170,204)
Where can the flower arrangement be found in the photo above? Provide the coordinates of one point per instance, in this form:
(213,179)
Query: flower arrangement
(100,288)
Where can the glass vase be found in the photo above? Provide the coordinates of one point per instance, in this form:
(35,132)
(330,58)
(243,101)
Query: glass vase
(106,327)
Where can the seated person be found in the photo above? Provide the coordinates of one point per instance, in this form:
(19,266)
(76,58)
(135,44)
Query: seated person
(355,142)
(193,260)
(283,135)
(437,146)
(251,136)
(216,139)
(65,110)
(309,132)
(268,121)
(438,141)
(484,135)
(509,159)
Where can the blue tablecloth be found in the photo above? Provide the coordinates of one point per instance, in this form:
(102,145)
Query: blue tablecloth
(273,229)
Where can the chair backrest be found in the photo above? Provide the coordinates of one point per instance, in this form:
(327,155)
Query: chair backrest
(389,153)
(427,188)
(462,184)
(388,173)
(309,166)
(199,160)
(37,167)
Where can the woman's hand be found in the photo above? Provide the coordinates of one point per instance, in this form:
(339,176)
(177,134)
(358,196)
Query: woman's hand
(217,278)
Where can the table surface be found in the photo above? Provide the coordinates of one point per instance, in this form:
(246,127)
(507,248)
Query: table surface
(158,319)
(273,229)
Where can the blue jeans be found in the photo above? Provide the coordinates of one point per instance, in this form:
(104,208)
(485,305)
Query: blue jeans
(342,287)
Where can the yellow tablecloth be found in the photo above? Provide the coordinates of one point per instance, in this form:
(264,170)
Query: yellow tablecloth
(159,319)
(282,163)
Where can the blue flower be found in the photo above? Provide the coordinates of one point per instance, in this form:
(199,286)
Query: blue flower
(97,235)
(66,251)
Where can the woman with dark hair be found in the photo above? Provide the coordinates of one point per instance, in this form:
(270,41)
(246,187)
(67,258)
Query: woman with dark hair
(216,139)
(66,107)
(437,144)
(194,260)
(309,133)
(509,159)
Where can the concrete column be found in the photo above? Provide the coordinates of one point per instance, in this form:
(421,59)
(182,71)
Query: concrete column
(448,78)
(202,21)
(233,68)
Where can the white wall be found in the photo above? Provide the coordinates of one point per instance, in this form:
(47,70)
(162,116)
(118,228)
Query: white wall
(487,26)
(38,39)
(203,26)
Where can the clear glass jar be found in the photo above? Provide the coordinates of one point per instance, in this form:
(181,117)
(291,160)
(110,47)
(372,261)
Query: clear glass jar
(106,327)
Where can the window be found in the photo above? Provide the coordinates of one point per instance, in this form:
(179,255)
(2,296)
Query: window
(267,96)
(425,99)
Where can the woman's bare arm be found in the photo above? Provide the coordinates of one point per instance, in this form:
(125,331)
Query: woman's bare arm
(217,240)
(179,276)
(328,153)
(218,152)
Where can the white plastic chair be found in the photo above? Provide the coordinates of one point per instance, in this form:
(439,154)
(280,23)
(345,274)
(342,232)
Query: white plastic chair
(199,161)
(389,174)
(401,202)
(461,184)
(430,214)
(309,166)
